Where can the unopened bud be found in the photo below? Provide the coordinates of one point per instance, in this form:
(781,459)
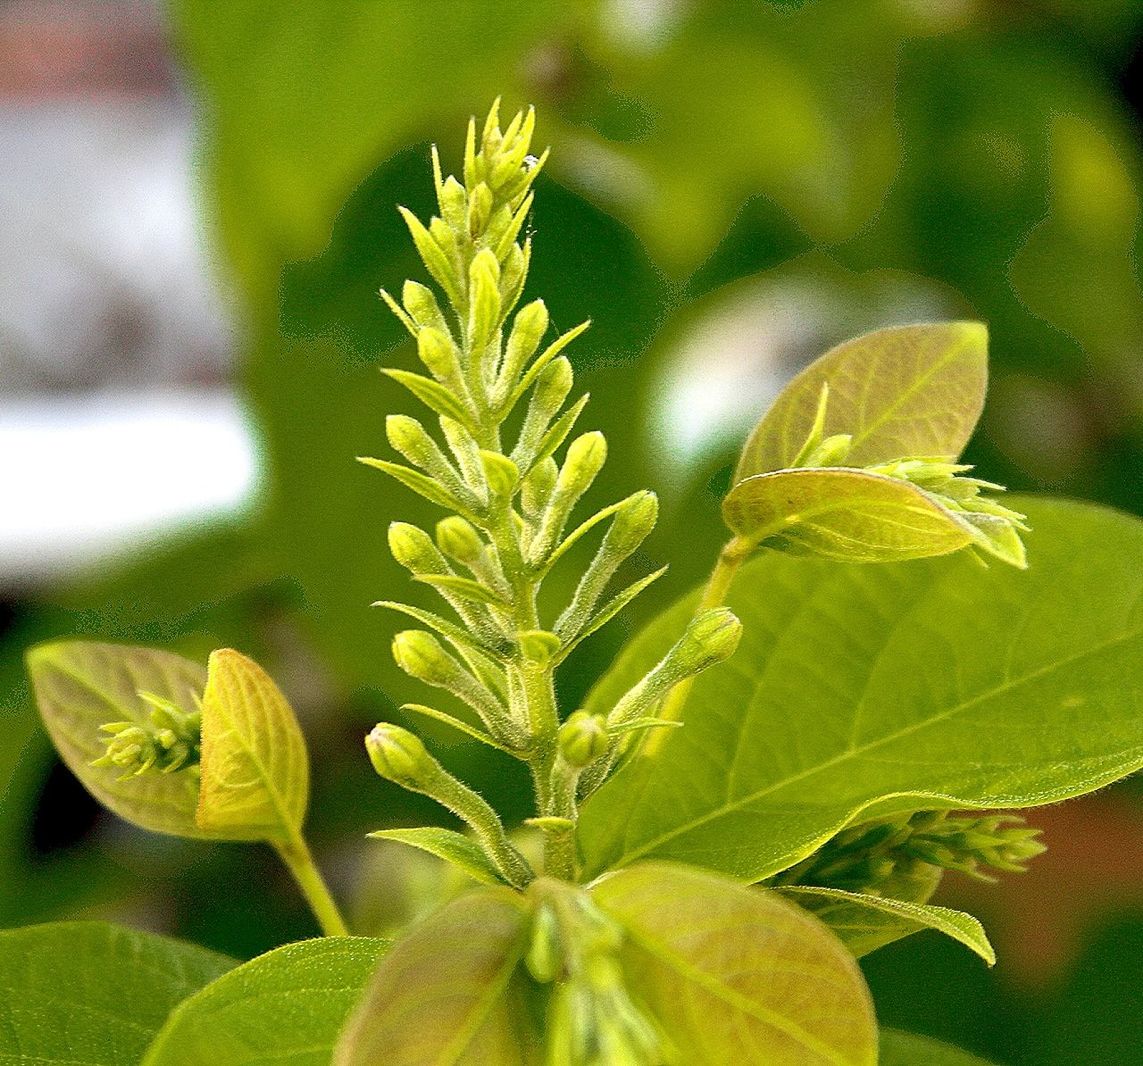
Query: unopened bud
(414,549)
(422,306)
(538,645)
(583,738)
(421,656)
(459,540)
(444,237)
(528,329)
(437,353)
(711,638)
(484,296)
(585,458)
(633,522)
(538,485)
(479,209)
(832,451)
(552,386)
(398,755)
(452,203)
(500,472)
(407,436)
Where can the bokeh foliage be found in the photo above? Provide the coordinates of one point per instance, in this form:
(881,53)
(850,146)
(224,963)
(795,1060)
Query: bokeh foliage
(828,167)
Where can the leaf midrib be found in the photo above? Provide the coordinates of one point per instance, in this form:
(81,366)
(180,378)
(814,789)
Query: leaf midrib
(853,752)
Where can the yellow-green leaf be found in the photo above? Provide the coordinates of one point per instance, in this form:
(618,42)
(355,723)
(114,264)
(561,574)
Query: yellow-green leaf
(450,992)
(843,514)
(906,390)
(735,974)
(255,770)
(80,686)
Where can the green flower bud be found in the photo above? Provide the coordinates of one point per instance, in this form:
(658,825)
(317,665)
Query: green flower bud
(583,738)
(832,451)
(500,472)
(437,352)
(421,656)
(445,240)
(169,741)
(422,307)
(479,209)
(407,436)
(585,458)
(712,637)
(459,540)
(454,208)
(512,274)
(538,486)
(484,297)
(414,549)
(633,522)
(538,645)
(528,329)
(399,756)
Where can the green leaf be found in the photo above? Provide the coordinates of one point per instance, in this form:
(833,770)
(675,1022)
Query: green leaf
(80,685)
(286,1006)
(735,974)
(255,769)
(843,514)
(449,992)
(905,1049)
(906,390)
(448,845)
(865,923)
(90,992)
(866,692)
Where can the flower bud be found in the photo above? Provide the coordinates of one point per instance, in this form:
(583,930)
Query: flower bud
(583,738)
(832,451)
(585,458)
(420,655)
(398,755)
(422,307)
(528,329)
(436,351)
(500,472)
(538,485)
(407,436)
(484,297)
(710,638)
(459,540)
(414,550)
(552,386)
(452,203)
(633,522)
(538,645)
(479,209)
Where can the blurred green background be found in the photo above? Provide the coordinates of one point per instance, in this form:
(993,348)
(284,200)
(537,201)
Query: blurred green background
(734,187)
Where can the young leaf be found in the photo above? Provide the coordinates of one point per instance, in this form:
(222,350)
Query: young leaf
(82,685)
(734,974)
(90,992)
(864,923)
(255,769)
(906,390)
(859,693)
(449,992)
(843,514)
(462,852)
(286,1006)
(905,1049)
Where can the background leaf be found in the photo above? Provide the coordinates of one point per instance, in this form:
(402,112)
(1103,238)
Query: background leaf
(255,769)
(448,993)
(906,390)
(285,1007)
(842,514)
(736,974)
(447,844)
(80,685)
(868,691)
(864,923)
(93,993)
(905,1049)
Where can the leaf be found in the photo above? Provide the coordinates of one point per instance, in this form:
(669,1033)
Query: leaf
(432,394)
(448,992)
(255,769)
(80,685)
(843,514)
(906,390)
(905,1049)
(451,846)
(90,992)
(865,923)
(865,692)
(286,1006)
(735,974)
(464,587)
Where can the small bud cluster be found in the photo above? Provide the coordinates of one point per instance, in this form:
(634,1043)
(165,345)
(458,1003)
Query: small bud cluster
(902,857)
(592,1020)
(995,529)
(169,741)
(510,503)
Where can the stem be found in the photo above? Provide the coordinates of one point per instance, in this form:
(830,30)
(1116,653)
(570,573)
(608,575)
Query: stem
(734,553)
(296,855)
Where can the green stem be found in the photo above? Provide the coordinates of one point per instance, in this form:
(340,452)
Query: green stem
(296,855)
(734,553)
